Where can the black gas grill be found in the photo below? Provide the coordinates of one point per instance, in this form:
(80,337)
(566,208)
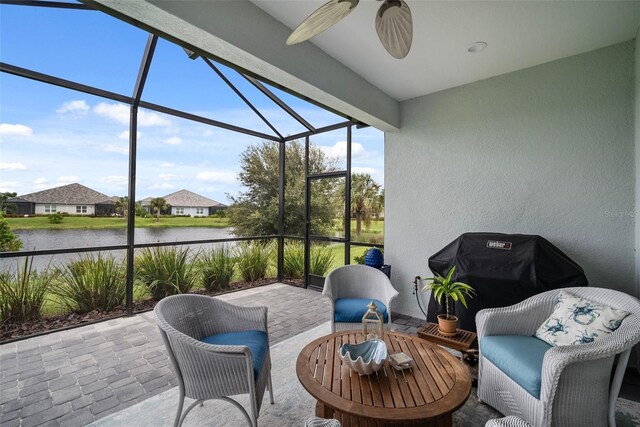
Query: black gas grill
(504,269)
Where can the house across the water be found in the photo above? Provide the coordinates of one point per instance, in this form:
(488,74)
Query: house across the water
(188,203)
(73,199)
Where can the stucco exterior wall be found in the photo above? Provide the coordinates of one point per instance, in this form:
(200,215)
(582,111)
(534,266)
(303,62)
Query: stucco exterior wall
(70,209)
(191,211)
(547,150)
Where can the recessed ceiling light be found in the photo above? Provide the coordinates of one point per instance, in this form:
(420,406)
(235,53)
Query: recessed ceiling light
(476,47)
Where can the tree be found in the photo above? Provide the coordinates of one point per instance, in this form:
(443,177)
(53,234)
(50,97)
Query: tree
(157,205)
(254,212)
(9,241)
(365,197)
(5,205)
(122,206)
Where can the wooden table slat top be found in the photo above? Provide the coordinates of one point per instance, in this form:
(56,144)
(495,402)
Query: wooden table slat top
(436,384)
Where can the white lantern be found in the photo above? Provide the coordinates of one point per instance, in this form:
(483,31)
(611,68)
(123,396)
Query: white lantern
(372,323)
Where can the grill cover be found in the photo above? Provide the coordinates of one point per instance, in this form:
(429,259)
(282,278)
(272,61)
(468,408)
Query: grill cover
(504,269)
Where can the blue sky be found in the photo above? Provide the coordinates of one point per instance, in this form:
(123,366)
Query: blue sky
(51,136)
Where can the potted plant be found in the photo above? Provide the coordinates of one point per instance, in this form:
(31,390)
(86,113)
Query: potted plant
(445,287)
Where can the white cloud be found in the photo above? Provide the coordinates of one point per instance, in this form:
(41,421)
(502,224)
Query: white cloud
(118,180)
(161,186)
(77,107)
(125,135)
(121,114)
(68,179)
(15,166)
(41,184)
(339,149)
(15,130)
(174,140)
(113,148)
(218,176)
(370,171)
(167,165)
(169,177)
(7,186)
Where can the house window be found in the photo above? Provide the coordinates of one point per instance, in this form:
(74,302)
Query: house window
(81,209)
(50,208)
(179,211)
(199,211)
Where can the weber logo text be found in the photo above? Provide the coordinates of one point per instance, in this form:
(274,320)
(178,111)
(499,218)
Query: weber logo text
(494,244)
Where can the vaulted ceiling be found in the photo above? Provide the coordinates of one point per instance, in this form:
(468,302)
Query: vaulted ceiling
(519,34)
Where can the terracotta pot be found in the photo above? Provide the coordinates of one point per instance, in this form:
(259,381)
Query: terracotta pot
(447,326)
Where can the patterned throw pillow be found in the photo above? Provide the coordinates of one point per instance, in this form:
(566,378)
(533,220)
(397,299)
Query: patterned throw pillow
(576,320)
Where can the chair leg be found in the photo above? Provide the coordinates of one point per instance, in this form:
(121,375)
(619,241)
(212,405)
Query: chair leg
(616,384)
(176,423)
(270,384)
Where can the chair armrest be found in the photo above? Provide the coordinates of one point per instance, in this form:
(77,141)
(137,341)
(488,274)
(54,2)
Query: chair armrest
(328,289)
(556,359)
(204,366)
(519,319)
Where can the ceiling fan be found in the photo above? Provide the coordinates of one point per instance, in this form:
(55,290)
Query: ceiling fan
(394,24)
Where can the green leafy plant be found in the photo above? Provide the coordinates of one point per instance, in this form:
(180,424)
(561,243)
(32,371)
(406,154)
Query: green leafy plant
(444,287)
(165,271)
(23,292)
(294,260)
(9,241)
(218,267)
(253,260)
(55,218)
(93,282)
(322,259)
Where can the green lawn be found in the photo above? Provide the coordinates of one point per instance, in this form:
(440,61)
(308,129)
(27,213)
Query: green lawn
(86,222)
(373,234)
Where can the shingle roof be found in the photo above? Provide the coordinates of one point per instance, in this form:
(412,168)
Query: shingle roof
(67,195)
(188,198)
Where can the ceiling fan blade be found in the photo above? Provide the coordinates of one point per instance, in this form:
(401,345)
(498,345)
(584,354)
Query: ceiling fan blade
(394,26)
(327,15)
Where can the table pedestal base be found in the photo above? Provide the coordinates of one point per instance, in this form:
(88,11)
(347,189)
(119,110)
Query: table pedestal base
(347,420)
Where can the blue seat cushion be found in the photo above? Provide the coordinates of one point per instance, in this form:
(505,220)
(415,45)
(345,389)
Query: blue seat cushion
(257,341)
(519,357)
(352,309)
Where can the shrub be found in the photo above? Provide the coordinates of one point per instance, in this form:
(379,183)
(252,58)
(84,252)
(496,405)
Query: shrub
(217,267)
(55,218)
(23,292)
(294,260)
(253,261)
(321,260)
(92,283)
(165,271)
(9,241)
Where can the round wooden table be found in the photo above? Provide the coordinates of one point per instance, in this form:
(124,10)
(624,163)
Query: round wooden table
(425,395)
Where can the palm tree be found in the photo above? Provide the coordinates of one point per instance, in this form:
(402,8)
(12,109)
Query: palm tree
(122,206)
(364,199)
(157,205)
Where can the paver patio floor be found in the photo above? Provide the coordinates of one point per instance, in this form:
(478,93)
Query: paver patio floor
(73,377)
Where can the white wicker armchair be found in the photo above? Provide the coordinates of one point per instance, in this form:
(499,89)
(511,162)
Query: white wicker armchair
(575,387)
(358,281)
(211,371)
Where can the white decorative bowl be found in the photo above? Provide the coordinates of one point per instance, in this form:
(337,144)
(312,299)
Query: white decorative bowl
(364,358)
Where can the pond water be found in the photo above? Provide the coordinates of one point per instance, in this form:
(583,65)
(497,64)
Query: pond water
(63,239)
